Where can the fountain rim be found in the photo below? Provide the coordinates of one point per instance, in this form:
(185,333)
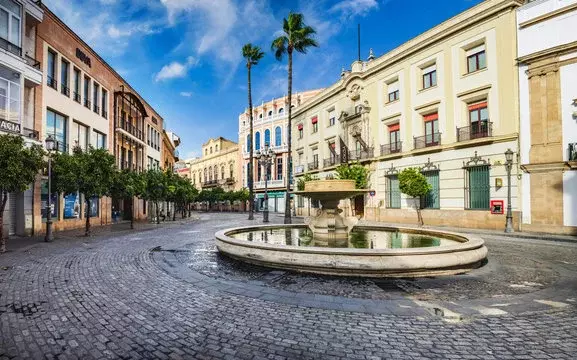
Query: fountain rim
(466,242)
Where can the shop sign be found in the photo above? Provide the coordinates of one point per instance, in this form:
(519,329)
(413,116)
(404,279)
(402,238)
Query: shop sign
(83,57)
(9,126)
(497,206)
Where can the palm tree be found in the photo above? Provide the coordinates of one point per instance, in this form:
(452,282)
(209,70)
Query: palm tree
(297,36)
(252,54)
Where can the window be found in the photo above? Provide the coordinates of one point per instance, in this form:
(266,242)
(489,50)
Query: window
(205,175)
(431,200)
(393,91)
(10,21)
(394,138)
(260,116)
(476,59)
(301,132)
(278,136)
(231,171)
(76,94)
(211,149)
(258,172)
(87,92)
(393,199)
(100,140)
(280,111)
(270,113)
(215,172)
(432,134)
(64,85)
(95,94)
(315,122)
(248,143)
(268,173)
(332,117)
(9,97)
(79,135)
(104,103)
(56,126)
(479,119)
(51,69)
(477,188)
(216,148)
(279,168)
(222,172)
(257,141)
(267,137)
(430,76)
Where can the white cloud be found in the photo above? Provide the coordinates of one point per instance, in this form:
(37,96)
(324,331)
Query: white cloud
(175,69)
(186,93)
(351,8)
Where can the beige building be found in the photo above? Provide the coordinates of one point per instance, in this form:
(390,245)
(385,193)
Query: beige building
(270,124)
(445,102)
(217,167)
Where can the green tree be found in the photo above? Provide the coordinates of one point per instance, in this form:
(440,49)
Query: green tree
(303,180)
(300,37)
(415,185)
(252,54)
(128,184)
(356,172)
(155,189)
(90,173)
(19,166)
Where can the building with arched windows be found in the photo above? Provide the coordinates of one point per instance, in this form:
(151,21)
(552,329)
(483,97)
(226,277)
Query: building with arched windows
(270,121)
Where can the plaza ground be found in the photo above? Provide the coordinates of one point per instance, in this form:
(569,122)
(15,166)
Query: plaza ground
(164,292)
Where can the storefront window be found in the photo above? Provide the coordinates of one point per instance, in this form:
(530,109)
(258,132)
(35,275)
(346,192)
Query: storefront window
(9,96)
(72,206)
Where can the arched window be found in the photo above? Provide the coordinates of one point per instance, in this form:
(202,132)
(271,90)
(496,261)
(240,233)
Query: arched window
(270,113)
(211,149)
(280,111)
(260,116)
(215,172)
(222,172)
(210,173)
(232,171)
(277,136)
(257,141)
(215,148)
(267,137)
(248,143)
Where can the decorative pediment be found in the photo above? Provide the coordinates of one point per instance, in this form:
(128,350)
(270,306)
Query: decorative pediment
(476,161)
(429,166)
(392,171)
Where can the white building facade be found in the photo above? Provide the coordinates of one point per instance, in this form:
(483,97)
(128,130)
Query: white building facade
(547,46)
(20,77)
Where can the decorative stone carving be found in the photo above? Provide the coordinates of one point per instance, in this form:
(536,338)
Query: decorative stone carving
(429,166)
(355,92)
(476,161)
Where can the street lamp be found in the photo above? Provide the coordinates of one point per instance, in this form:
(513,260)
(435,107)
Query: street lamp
(265,159)
(50,143)
(509,165)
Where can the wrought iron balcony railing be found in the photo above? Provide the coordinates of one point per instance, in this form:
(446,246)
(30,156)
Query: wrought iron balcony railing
(332,161)
(313,165)
(428,140)
(105,114)
(480,129)
(32,62)
(391,148)
(64,90)
(361,154)
(129,128)
(96,109)
(50,81)
(210,183)
(76,97)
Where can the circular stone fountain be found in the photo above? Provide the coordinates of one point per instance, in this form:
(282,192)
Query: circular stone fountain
(333,244)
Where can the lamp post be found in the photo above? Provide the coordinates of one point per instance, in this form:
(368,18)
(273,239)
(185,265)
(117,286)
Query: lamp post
(265,159)
(509,165)
(50,143)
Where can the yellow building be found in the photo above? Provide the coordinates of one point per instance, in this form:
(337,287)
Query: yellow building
(217,167)
(445,102)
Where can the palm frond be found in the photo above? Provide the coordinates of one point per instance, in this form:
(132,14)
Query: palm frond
(303,44)
(279,46)
(252,54)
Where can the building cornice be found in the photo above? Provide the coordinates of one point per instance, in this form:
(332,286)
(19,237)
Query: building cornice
(553,52)
(548,16)
(461,22)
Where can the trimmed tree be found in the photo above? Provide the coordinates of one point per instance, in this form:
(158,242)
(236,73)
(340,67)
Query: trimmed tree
(356,172)
(19,166)
(91,173)
(155,189)
(296,35)
(415,185)
(128,184)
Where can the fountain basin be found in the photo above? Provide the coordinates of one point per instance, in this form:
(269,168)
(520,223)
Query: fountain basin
(459,254)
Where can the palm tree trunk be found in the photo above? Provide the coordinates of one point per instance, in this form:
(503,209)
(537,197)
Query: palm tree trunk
(287,210)
(87,228)
(132,214)
(251,152)
(2,207)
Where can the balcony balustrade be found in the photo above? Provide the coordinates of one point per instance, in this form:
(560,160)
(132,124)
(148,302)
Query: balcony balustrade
(361,154)
(76,97)
(270,184)
(131,129)
(51,82)
(96,109)
(392,148)
(313,165)
(332,161)
(32,62)
(64,90)
(87,103)
(478,130)
(421,142)
(210,183)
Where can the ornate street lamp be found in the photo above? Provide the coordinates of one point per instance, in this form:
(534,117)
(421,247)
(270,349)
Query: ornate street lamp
(509,165)
(50,143)
(265,158)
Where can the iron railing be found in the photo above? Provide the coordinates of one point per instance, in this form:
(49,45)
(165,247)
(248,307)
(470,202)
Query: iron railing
(481,129)
(572,152)
(361,154)
(391,148)
(50,81)
(421,142)
(87,103)
(210,183)
(313,165)
(32,62)
(129,128)
(64,90)
(105,114)
(77,97)
(8,46)
(96,109)
(332,161)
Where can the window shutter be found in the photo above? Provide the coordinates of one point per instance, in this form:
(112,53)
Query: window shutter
(314,120)
(300,126)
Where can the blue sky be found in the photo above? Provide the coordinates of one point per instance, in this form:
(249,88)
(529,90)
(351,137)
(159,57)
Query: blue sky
(184,56)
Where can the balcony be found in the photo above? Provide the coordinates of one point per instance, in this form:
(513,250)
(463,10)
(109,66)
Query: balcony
(126,165)
(270,184)
(230,181)
(572,152)
(12,48)
(31,134)
(64,90)
(76,97)
(51,82)
(87,103)
(392,148)
(130,129)
(479,130)
(361,154)
(313,166)
(210,183)
(105,114)
(332,161)
(421,142)
(32,62)
(96,109)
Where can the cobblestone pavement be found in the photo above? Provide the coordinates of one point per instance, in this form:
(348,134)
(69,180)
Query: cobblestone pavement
(139,295)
